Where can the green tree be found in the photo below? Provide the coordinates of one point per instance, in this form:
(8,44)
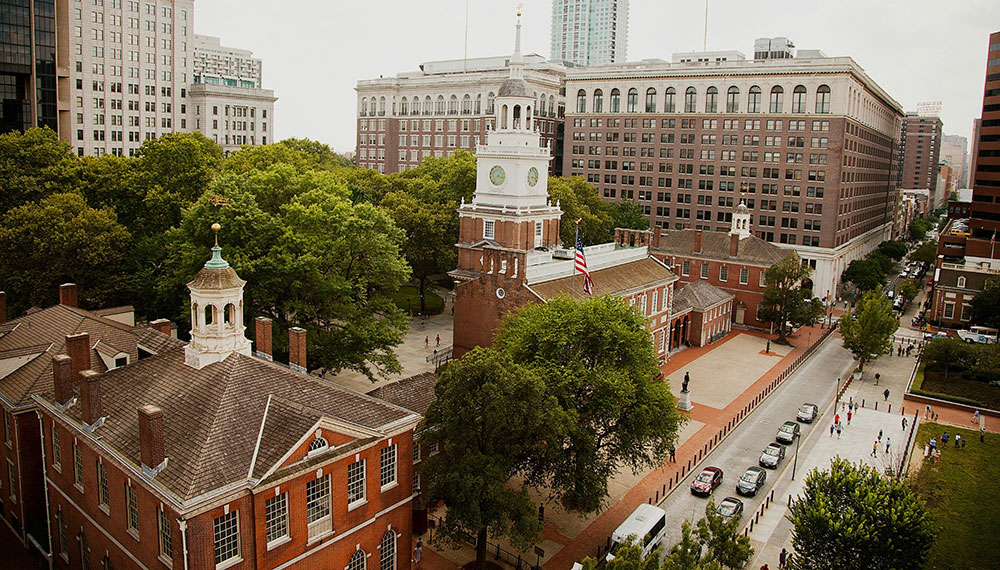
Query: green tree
(454,176)
(851,516)
(173,171)
(865,274)
(629,557)
(893,249)
(629,214)
(28,163)
(926,253)
(597,359)
(725,542)
(324,156)
(58,240)
(870,333)
(919,227)
(885,263)
(688,553)
(490,416)
(316,261)
(784,300)
(946,354)
(909,289)
(580,201)
(986,304)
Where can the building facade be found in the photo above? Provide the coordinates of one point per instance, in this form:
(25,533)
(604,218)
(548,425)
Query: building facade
(446,106)
(921,153)
(216,64)
(28,71)
(955,151)
(589,32)
(985,220)
(810,144)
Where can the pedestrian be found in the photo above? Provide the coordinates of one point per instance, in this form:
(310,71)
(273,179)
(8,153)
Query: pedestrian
(831,430)
(418,553)
(836,419)
(904,423)
(975,417)
(783,559)
(874,448)
(764,567)
(963,443)
(982,434)
(908,349)
(427,342)
(944,439)
(672,456)
(886,393)
(958,440)
(933,443)
(880,435)
(848,418)
(927,412)
(438,340)
(935,416)
(899,350)
(887,445)
(877,376)
(839,429)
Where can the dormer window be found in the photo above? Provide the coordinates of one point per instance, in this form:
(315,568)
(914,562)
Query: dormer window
(319,444)
(122,361)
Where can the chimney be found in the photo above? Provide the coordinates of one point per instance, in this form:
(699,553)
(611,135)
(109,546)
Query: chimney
(151,436)
(90,396)
(734,245)
(165,326)
(67,294)
(263,328)
(3,307)
(697,241)
(62,378)
(297,349)
(78,349)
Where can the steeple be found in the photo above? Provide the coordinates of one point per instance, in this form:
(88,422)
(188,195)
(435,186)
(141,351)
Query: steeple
(741,221)
(216,312)
(517,60)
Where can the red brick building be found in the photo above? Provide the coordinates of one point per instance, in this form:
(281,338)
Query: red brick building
(205,456)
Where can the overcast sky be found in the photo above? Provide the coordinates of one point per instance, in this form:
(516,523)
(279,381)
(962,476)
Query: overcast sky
(315,51)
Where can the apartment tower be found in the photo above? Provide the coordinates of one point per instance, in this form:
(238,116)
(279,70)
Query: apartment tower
(589,32)
(921,153)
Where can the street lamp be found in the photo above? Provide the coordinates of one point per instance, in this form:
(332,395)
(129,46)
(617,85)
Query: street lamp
(795,462)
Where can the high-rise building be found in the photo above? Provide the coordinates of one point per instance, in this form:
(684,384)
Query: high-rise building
(449,105)
(920,154)
(28,77)
(228,103)
(955,151)
(589,32)
(809,143)
(985,222)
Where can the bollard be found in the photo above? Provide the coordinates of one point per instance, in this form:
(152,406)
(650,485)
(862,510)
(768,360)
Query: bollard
(862,402)
(756,517)
(650,500)
(498,551)
(745,531)
(671,483)
(689,464)
(772,494)
(751,526)
(789,500)
(890,409)
(767,501)
(902,410)
(518,562)
(664,489)
(876,405)
(657,496)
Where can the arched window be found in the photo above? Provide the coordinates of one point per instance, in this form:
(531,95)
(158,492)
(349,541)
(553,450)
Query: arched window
(467,104)
(733,100)
(209,314)
(318,444)
(961,282)
(404,107)
(581,101)
(598,100)
(552,106)
(428,105)
(690,100)
(479,103)
(503,117)
(669,105)
(441,107)
(633,100)
(753,102)
(357,561)
(517,117)
(489,103)
(777,99)
(364,106)
(415,109)
(650,100)
(453,105)
(823,99)
(229,314)
(615,104)
(799,99)
(381,107)
(194,313)
(712,100)
(387,551)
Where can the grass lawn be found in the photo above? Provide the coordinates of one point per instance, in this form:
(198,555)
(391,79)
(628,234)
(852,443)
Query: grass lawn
(960,492)
(985,395)
(408,298)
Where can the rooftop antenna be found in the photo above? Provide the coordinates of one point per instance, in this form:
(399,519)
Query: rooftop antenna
(704,45)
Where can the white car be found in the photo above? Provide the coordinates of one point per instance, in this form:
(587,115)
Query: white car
(983,335)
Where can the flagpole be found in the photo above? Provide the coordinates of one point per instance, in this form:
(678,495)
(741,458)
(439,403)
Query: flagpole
(573,283)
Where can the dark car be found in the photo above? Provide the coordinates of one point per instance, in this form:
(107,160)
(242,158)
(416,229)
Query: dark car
(730,508)
(751,481)
(706,481)
(773,454)
(787,432)
(807,412)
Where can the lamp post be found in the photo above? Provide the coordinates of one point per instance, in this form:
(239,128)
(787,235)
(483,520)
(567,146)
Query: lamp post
(795,462)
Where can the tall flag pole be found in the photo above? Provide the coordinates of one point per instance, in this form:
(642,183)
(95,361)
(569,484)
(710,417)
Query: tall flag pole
(581,264)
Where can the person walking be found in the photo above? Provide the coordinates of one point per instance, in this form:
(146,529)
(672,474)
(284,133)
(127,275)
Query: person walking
(418,553)
(887,445)
(848,418)
(832,427)
(927,412)
(673,456)
(880,435)
(944,439)
(886,394)
(783,559)
(438,340)
(874,448)
(877,376)
(427,342)
(975,417)
(836,419)
(963,442)
(839,429)
(904,423)
(958,440)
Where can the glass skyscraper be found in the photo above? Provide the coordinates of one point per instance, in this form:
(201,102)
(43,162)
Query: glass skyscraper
(589,32)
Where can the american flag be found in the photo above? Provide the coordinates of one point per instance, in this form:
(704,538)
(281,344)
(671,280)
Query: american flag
(581,266)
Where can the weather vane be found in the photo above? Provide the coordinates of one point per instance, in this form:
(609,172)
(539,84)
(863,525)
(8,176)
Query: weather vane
(219,201)
(215,228)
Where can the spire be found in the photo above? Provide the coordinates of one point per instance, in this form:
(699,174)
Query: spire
(517,60)
(216,262)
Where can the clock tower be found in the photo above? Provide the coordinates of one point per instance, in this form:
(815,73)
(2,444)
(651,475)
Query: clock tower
(509,216)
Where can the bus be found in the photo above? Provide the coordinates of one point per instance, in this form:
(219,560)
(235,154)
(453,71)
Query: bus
(985,335)
(647,525)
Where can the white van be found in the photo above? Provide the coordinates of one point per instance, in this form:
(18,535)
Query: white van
(647,523)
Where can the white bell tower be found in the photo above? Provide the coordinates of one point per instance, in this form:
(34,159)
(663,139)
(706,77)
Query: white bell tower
(216,312)
(741,222)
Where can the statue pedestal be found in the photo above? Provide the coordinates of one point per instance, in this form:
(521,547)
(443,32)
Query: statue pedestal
(685,401)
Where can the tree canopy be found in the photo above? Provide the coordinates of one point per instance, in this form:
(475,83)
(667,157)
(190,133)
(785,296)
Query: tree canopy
(580,201)
(851,516)
(784,300)
(893,249)
(926,253)
(909,289)
(865,274)
(870,333)
(986,304)
(629,214)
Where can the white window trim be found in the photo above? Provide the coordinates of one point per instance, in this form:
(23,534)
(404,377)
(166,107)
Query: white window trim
(229,562)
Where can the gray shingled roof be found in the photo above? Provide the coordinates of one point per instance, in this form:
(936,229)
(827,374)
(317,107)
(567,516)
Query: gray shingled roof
(699,295)
(611,281)
(715,245)
(415,393)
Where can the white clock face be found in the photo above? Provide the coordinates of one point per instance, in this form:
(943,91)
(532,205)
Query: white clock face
(497,175)
(501,293)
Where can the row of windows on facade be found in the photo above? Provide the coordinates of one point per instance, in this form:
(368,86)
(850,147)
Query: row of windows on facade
(449,125)
(753,104)
(706,216)
(709,154)
(451,106)
(706,124)
(817,159)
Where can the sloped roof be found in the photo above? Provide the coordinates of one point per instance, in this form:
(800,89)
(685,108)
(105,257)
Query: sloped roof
(699,295)
(212,417)
(715,245)
(46,331)
(415,393)
(610,281)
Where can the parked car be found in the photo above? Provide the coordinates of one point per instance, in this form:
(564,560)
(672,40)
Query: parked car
(730,508)
(751,481)
(807,412)
(706,481)
(787,432)
(902,274)
(772,455)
